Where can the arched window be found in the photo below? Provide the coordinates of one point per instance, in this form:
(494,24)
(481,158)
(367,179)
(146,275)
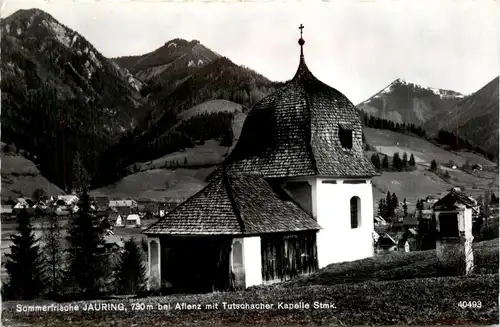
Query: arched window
(355,212)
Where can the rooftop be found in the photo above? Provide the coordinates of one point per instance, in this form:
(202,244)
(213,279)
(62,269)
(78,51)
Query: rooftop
(235,205)
(296,131)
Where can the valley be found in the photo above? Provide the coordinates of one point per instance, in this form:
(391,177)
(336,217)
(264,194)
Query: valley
(182,113)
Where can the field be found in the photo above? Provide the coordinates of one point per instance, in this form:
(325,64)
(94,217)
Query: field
(389,142)
(420,183)
(20,177)
(387,290)
(155,182)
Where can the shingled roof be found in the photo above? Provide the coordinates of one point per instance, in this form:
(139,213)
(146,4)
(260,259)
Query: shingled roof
(295,132)
(235,205)
(452,199)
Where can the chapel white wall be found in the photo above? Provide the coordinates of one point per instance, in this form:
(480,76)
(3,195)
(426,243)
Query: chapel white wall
(337,241)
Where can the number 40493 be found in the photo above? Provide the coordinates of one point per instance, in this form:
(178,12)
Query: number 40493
(470,304)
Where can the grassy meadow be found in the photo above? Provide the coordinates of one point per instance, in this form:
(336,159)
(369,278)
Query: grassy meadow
(398,289)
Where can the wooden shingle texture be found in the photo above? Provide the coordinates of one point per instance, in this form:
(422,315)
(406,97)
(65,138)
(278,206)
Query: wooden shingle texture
(452,199)
(235,205)
(295,132)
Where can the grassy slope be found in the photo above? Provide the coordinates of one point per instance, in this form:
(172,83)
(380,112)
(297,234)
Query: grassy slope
(353,287)
(154,181)
(417,184)
(20,177)
(421,182)
(157,184)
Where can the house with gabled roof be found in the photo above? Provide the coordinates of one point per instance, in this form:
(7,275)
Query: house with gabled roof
(294,195)
(386,244)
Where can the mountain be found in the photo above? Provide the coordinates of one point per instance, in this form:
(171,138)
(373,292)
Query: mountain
(164,68)
(475,116)
(161,133)
(60,96)
(403,101)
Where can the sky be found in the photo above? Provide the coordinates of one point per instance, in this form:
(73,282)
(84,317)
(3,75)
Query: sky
(357,47)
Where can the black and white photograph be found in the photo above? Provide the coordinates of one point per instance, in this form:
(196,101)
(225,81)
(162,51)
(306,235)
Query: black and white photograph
(249,163)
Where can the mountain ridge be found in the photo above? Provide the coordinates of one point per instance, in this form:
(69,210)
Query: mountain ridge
(80,101)
(405,101)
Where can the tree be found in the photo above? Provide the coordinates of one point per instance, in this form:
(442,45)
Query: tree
(382,208)
(53,253)
(388,205)
(11,148)
(494,198)
(420,204)
(80,178)
(405,208)
(227,137)
(412,161)
(433,165)
(394,203)
(24,263)
(131,270)
(87,258)
(39,195)
(376,161)
(404,162)
(385,162)
(396,161)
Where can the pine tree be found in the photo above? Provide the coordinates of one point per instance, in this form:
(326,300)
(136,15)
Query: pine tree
(227,137)
(420,204)
(405,208)
(388,208)
(376,161)
(53,254)
(87,258)
(381,208)
(394,203)
(396,161)
(404,162)
(412,160)
(80,178)
(24,263)
(131,270)
(39,195)
(433,165)
(144,245)
(385,162)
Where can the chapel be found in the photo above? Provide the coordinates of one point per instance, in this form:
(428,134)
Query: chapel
(294,195)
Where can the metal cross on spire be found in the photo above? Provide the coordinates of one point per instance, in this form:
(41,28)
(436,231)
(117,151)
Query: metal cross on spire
(301,41)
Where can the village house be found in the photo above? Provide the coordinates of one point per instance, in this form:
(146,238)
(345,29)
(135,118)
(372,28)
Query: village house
(7,211)
(379,221)
(23,203)
(386,244)
(133,220)
(116,218)
(67,200)
(125,206)
(294,195)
